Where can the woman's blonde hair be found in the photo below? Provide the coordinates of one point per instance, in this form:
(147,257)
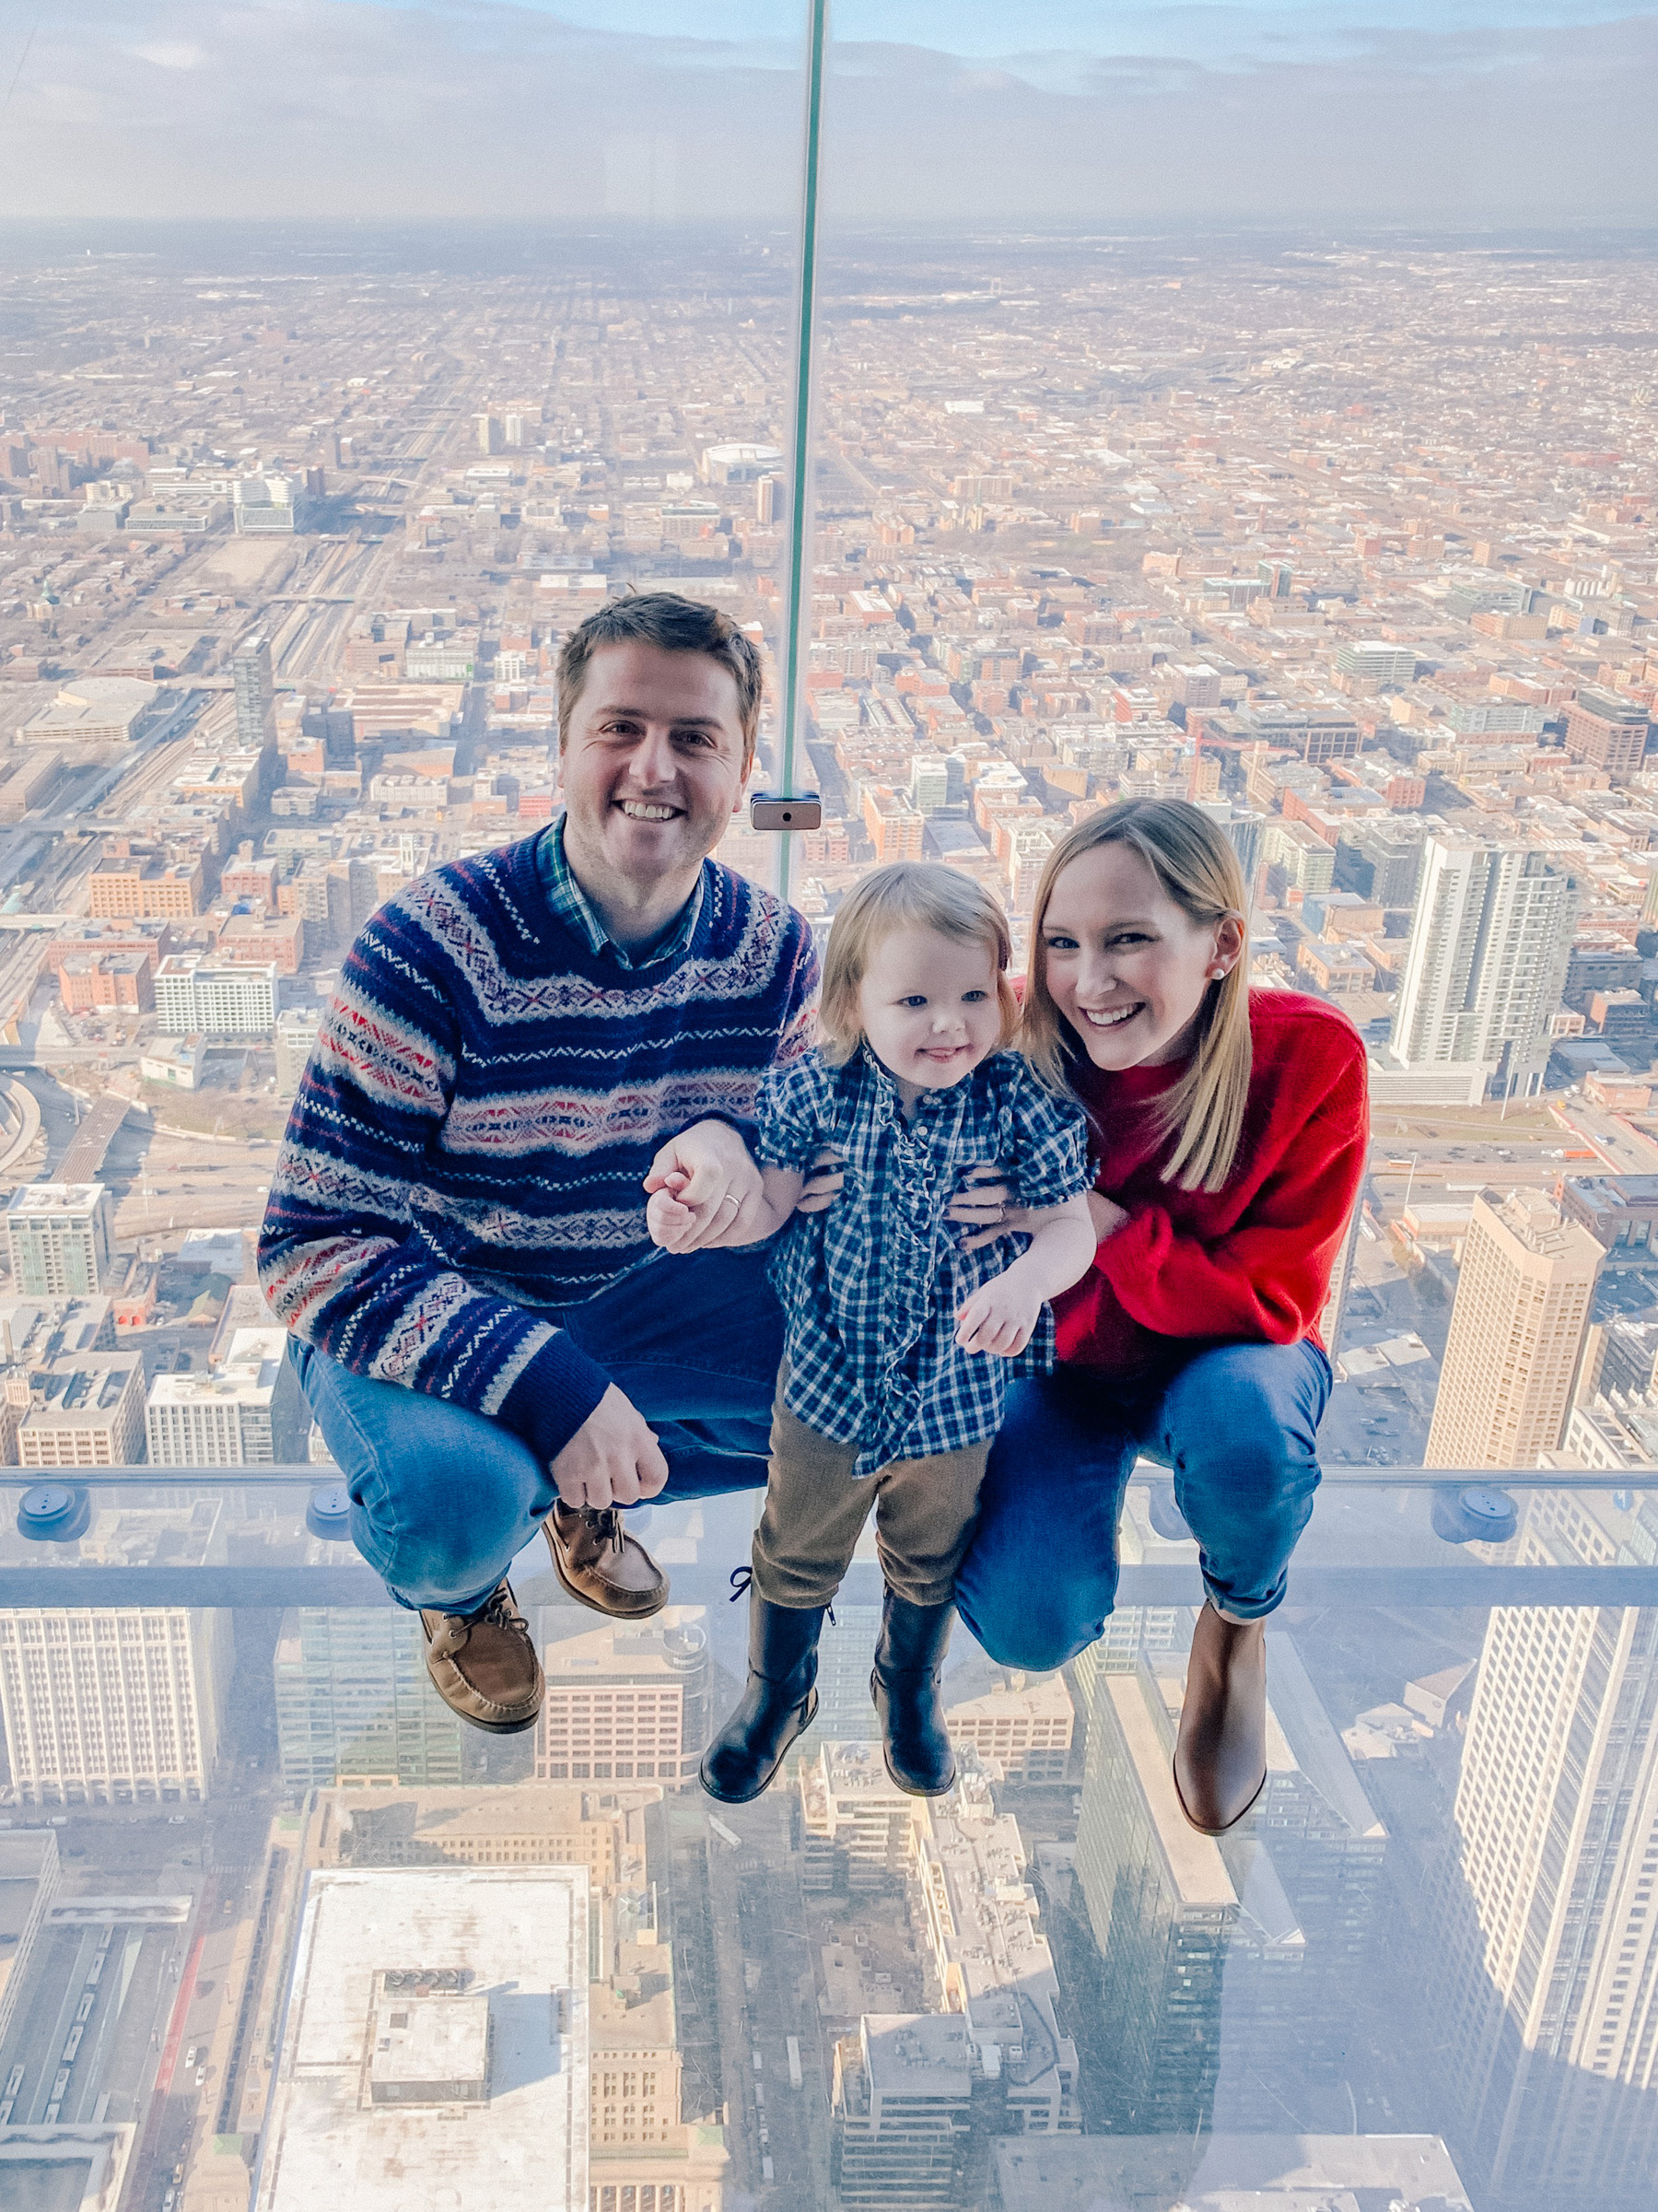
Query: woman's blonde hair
(1197,865)
(906,894)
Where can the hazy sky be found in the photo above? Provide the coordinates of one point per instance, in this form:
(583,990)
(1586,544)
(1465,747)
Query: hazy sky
(1461,113)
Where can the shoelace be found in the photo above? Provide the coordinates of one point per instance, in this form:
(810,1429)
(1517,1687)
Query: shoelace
(742,1576)
(605,1522)
(500,1612)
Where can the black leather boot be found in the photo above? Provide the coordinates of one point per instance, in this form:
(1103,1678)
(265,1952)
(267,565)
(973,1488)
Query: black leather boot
(905,1686)
(779,1704)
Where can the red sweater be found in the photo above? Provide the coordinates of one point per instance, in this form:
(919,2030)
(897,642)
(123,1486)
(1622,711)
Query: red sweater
(1252,1261)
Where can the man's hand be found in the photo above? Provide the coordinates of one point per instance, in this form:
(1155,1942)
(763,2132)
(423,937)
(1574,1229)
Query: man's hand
(613,1459)
(709,1171)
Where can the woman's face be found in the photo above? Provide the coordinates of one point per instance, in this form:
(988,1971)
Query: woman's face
(1125,965)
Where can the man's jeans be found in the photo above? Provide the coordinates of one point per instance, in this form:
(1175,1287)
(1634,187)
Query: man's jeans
(1238,1424)
(444,1499)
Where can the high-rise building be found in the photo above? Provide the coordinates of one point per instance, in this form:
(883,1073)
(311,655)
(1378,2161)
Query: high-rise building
(625,1703)
(765,501)
(912,2096)
(489,434)
(861,1829)
(435,2020)
(929,783)
(1274,1918)
(1485,963)
(355,1703)
(1025,1727)
(1516,1332)
(231,1417)
(895,827)
(271,505)
(29,1877)
(845,1713)
(1606,732)
(113,1705)
(1379,862)
(1223,2172)
(296,1031)
(196,996)
(1389,666)
(60,1239)
(85,1410)
(991,1961)
(1197,686)
(1546,1926)
(251,671)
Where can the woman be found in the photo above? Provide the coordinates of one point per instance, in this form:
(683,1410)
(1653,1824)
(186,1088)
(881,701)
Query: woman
(1231,1127)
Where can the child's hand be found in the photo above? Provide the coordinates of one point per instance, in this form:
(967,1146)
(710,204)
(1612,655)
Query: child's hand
(1001,1318)
(670,1223)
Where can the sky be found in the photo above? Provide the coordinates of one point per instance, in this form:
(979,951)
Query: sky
(1458,114)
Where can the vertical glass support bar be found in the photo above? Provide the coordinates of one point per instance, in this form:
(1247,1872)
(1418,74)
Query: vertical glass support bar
(798,586)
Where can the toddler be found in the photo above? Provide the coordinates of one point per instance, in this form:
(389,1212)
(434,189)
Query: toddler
(898,1340)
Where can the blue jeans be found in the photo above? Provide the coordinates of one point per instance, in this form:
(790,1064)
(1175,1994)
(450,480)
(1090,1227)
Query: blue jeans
(1238,1424)
(442,1500)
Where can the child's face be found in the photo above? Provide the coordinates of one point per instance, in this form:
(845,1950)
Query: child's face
(928,1007)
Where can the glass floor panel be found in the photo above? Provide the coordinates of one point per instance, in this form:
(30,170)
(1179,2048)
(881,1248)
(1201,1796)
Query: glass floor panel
(276,1920)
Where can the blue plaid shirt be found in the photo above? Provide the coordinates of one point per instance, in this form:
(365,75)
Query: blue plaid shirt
(571,903)
(870,1287)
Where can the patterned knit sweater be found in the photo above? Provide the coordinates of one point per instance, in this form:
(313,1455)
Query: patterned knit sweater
(466,1149)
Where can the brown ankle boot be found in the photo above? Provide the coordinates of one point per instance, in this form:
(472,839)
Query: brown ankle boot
(1221,1749)
(599,1565)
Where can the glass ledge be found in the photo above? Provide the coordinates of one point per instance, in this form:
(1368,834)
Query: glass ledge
(276,1535)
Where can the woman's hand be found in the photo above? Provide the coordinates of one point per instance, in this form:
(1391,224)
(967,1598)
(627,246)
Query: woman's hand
(1106,1215)
(825,1181)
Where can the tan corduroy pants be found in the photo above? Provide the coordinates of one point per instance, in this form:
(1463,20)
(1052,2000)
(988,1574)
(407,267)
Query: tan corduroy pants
(815,1509)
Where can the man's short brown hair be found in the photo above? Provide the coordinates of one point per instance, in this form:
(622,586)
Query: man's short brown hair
(679,625)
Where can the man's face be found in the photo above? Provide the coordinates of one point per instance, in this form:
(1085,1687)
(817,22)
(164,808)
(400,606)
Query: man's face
(652,767)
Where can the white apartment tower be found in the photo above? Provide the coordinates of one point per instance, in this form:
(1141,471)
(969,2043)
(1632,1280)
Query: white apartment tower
(227,1419)
(59,1239)
(112,1705)
(1516,1335)
(1485,963)
(1546,1920)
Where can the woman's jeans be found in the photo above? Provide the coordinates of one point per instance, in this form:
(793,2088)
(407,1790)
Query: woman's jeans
(442,1500)
(1238,1424)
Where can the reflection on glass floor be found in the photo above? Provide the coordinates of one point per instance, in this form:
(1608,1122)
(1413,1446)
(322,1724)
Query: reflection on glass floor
(271,1917)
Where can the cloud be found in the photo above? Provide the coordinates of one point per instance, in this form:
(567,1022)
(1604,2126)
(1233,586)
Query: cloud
(179,53)
(367,110)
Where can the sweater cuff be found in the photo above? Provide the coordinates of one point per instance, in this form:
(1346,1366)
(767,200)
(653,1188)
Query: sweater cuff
(553,1395)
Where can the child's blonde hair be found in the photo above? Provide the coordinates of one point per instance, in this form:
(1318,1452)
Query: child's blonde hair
(906,894)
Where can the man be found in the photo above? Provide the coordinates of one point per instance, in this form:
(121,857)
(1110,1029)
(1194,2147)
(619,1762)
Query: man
(520,1044)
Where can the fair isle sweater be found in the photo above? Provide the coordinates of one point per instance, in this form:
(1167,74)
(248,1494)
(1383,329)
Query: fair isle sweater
(465,1154)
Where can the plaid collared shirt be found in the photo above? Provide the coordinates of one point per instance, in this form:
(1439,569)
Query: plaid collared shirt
(570,903)
(870,1287)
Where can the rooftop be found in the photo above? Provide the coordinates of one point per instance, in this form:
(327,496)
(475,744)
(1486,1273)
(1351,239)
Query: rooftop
(1227,2173)
(515,1941)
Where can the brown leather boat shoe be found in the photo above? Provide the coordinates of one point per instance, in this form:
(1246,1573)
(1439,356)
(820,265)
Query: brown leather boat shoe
(484,1666)
(600,1565)
(1220,1747)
